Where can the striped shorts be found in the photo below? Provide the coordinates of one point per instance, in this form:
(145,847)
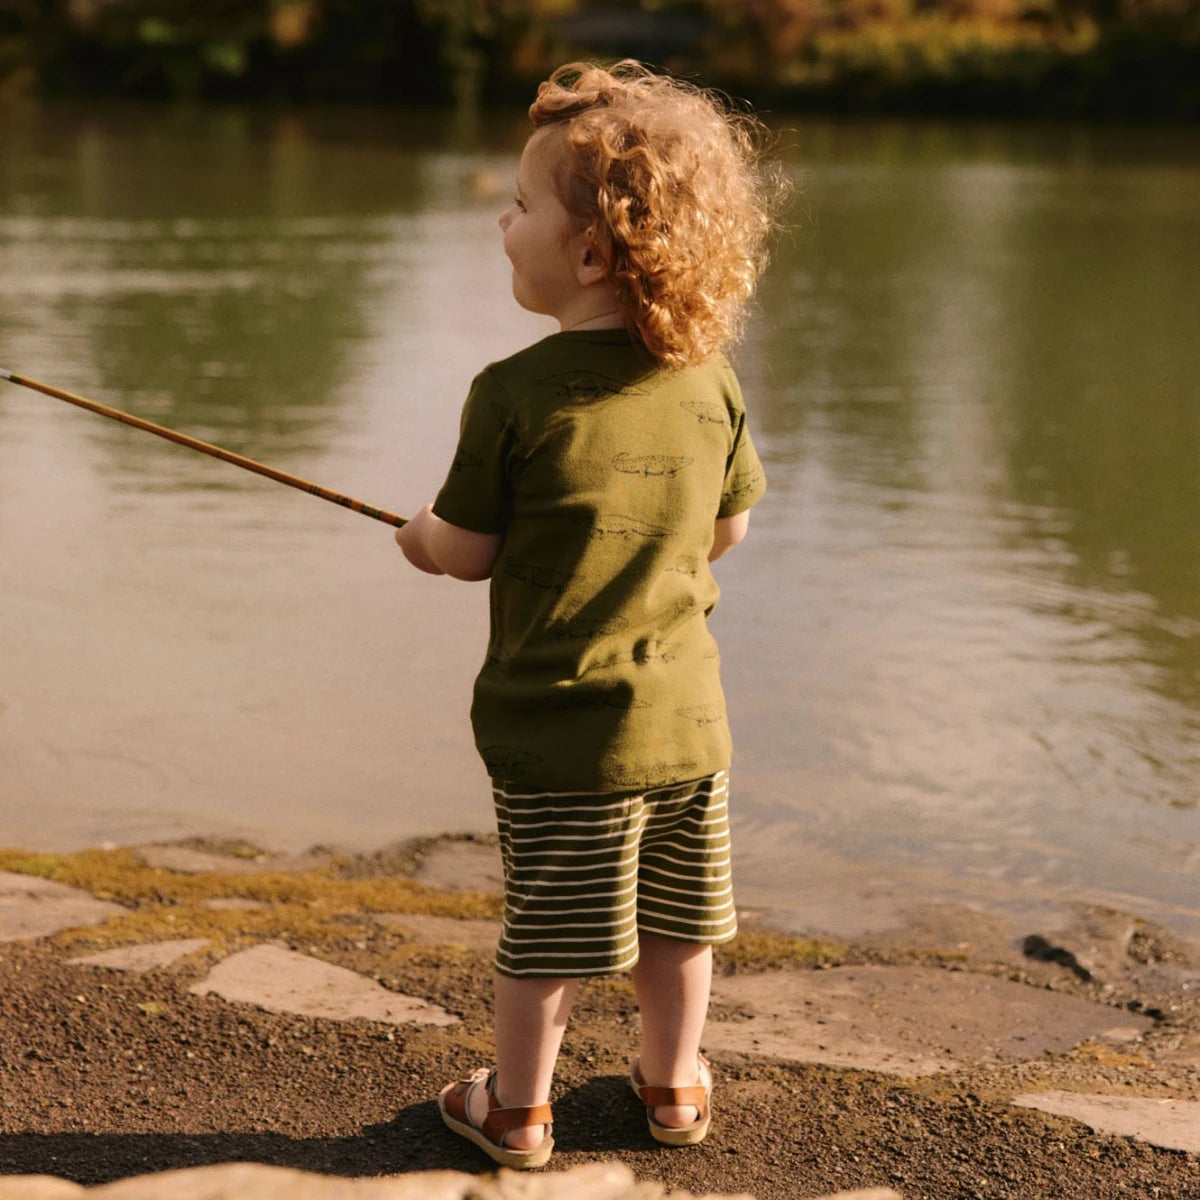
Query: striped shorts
(584,872)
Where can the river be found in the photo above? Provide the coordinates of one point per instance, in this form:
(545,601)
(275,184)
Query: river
(961,646)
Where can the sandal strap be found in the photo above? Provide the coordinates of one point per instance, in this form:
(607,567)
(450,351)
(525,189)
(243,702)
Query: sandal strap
(695,1096)
(654,1096)
(500,1121)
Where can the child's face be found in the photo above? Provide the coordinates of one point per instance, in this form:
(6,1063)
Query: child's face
(539,235)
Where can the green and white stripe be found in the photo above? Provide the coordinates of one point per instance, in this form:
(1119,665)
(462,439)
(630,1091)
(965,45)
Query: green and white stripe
(585,871)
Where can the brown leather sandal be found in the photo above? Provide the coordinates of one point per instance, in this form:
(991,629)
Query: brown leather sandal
(698,1096)
(454,1101)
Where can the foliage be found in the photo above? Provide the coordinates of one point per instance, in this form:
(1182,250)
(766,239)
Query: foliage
(1091,57)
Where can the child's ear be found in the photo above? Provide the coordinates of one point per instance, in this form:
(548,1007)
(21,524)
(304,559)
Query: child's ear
(591,265)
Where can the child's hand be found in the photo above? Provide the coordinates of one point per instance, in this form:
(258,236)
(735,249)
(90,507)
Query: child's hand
(436,546)
(413,539)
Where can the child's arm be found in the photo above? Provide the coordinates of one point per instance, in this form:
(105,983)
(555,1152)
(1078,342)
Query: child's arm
(439,548)
(727,532)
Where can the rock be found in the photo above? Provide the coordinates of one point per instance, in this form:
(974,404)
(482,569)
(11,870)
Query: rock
(865,1194)
(251,1181)
(1172,1124)
(32,908)
(878,1019)
(594,1181)
(281,980)
(1105,944)
(1092,946)
(146,957)
(947,929)
(39,1187)
(461,866)
(189,860)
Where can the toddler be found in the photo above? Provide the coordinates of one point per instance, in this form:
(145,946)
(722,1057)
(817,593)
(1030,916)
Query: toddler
(598,473)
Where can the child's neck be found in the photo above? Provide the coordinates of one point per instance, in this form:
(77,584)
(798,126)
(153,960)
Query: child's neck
(604,320)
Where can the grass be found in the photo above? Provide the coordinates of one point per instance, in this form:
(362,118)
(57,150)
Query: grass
(313,905)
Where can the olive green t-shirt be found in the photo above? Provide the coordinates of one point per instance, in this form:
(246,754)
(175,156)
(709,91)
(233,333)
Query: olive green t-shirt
(604,472)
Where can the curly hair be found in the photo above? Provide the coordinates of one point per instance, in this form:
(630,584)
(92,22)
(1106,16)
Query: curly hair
(674,185)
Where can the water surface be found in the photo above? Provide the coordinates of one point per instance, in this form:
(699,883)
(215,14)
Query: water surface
(962,645)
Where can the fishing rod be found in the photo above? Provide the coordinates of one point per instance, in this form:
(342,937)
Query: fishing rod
(183,439)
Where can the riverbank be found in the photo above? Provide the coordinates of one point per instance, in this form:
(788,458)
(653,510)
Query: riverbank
(180,1006)
(998,57)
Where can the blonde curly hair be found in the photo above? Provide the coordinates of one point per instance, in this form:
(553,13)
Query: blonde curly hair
(674,185)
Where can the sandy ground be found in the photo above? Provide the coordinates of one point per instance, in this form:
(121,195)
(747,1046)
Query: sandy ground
(196,1004)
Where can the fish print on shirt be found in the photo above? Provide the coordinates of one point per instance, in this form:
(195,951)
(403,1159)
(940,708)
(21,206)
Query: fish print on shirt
(701,714)
(685,564)
(706,412)
(588,385)
(743,482)
(615,525)
(652,651)
(678,611)
(657,775)
(508,762)
(547,579)
(651,465)
(585,629)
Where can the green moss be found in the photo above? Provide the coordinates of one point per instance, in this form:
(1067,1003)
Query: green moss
(1104,1054)
(312,905)
(757,950)
(225,928)
(119,875)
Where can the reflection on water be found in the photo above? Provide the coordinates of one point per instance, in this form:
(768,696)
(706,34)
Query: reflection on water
(962,646)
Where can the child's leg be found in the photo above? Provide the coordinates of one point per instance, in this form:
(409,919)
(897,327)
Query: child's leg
(565,856)
(672,980)
(531,1016)
(685,905)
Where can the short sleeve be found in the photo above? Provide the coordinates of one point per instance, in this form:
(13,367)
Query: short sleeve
(745,479)
(477,494)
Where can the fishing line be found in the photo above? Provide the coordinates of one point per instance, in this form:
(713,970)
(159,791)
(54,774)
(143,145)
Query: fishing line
(183,439)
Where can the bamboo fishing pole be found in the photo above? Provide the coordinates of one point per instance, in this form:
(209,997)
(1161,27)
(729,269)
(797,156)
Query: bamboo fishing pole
(183,439)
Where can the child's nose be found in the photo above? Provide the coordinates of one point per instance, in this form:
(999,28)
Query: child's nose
(506,219)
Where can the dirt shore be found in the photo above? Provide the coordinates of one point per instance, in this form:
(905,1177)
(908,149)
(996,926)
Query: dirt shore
(936,1060)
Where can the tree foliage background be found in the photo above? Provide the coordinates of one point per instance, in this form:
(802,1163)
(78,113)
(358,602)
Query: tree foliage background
(1092,58)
